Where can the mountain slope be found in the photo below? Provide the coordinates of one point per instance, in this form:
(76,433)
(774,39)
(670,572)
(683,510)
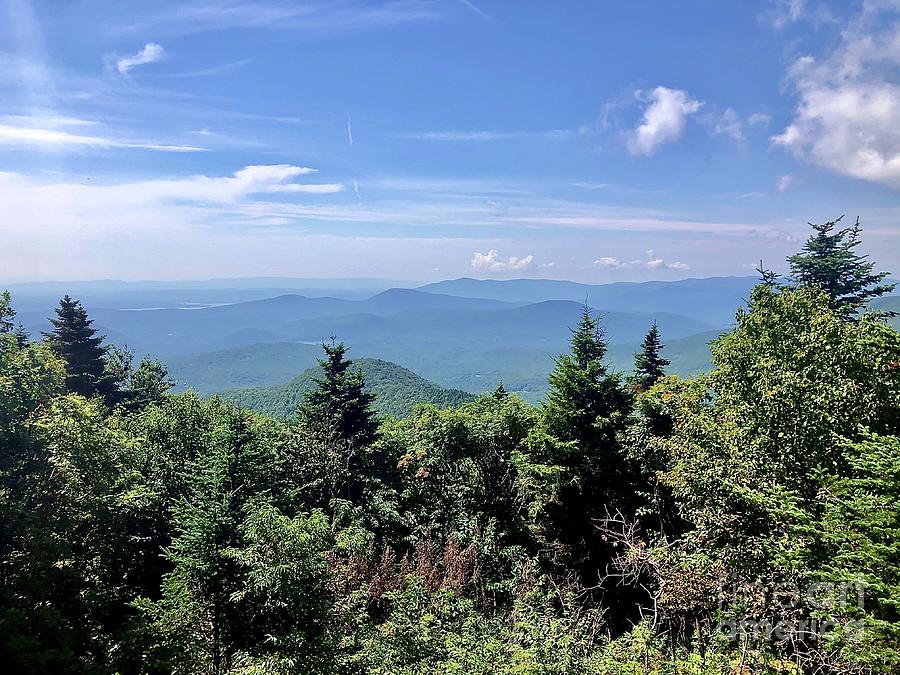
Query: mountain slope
(397,390)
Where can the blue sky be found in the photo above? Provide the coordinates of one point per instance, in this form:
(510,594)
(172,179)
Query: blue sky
(595,141)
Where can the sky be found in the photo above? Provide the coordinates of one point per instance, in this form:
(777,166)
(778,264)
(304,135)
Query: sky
(430,139)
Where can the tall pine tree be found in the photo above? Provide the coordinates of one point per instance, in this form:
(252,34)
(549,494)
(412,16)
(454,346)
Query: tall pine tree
(586,409)
(829,261)
(75,340)
(340,406)
(586,403)
(649,365)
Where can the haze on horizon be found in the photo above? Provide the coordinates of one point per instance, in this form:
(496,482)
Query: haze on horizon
(426,140)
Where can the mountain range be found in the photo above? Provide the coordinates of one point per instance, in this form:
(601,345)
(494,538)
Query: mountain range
(465,334)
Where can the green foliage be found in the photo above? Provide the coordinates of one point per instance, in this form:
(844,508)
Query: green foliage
(829,261)
(76,342)
(858,551)
(577,448)
(339,407)
(7,313)
(395,390)
(148,385)
(587,405)
(649,366)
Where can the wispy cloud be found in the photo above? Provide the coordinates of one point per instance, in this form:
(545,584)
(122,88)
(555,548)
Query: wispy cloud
(151,53)
(784,182)
(211,70)
(58,138)
(785,12)
(591,186)
(664,119)
(247,198)
(729,124)
(318,20)
(473,7)
(474,135)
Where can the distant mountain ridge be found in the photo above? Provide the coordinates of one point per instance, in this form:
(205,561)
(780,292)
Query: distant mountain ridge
(469,336)
(712,299)
(396,389)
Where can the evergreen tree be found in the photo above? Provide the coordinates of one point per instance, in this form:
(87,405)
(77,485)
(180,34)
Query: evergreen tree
(829,260)
(201,593)
(75,340)
(587,408)
(7,313)
(340,406)
(648,364)
(586,402)
(21,336)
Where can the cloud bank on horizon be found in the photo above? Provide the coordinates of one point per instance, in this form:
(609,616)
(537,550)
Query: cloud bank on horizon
(213,138)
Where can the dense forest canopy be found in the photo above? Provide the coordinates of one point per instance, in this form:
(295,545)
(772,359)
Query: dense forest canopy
(743,521)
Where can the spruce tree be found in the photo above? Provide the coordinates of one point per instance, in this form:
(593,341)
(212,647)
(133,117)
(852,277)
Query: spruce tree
(648,364)
(586,402)
(829,261)
(75,340)
(586,409)
(7,313)
(340,406)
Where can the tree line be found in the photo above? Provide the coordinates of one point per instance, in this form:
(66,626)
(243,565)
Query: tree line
(743,521)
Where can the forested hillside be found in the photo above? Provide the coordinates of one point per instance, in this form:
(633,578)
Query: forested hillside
(395,389)
(746,520)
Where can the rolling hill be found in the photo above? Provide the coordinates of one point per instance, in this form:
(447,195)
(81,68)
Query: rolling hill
(397,390)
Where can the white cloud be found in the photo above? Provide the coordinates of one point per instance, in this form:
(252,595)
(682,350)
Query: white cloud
(848,116)
(784,182)
(615,263)
(759,118)
(151,53)
(652,262)
(28,135)
(491,262)
(729,124)
(664,119)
